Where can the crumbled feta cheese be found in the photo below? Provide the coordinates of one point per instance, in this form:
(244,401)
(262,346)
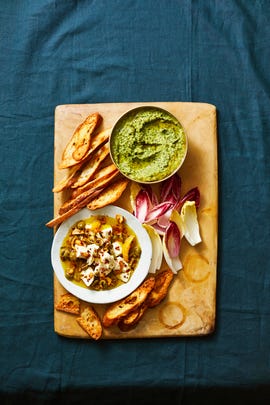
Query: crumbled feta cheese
(124,276)
(88,276)
(92,250)
(117,248)
(106,232)
(102,269)
(107,259)
(81,251)
(124,266)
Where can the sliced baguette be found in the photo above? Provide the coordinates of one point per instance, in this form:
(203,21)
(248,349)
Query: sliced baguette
(90,322)
(156,295)
(79,144)
(160,290)
(101,178)
(132,319)
(73,202)
(61,218)
(91,167)
(68,303)
(97,140)
(109,195)
(122,308)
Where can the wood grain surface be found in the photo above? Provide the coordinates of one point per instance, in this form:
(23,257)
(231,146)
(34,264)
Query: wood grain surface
(190,306)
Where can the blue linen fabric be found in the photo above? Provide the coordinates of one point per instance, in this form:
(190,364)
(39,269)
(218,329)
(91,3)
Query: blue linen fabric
(92,51)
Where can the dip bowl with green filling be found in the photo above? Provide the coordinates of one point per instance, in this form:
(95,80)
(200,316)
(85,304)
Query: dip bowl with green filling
(148,144)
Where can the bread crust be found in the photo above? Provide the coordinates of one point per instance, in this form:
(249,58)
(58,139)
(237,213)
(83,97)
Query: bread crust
(79,143)
(101,179)
(61,218)
(121,308)
(163,280)
(90,322)
(109,194)
(68,303)
(132,319)
(91,166)
(73,202)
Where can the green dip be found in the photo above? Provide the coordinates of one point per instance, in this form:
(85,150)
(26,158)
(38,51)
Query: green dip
(148,144)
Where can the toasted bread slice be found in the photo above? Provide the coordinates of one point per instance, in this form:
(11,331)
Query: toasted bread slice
(90,322)
(62,217)
(68,303)
(80,141)
(97,140)
(90,168)
(75,171)
(122,308)
(73,202)
(159,292)
(109,195)
(132,319)
(67,181)
(101,178)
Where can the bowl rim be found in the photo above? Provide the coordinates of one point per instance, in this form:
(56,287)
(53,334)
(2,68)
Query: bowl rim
(142,107)
(107,296)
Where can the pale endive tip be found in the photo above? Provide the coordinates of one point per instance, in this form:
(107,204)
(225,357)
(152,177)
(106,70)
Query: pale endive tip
(157,249)
(190,222)
(177,219)
(174,263)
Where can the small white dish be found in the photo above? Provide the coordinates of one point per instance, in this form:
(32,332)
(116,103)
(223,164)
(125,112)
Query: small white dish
(117,293)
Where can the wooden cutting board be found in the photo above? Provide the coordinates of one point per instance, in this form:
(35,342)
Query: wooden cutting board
(190,306)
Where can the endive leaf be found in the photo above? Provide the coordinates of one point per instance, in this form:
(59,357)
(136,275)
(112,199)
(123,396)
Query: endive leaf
(157,250)
(174,263)
(192,195)
(142,205)
(152,195)
(190,221)
(157,211)
(177,219)
(173,239)
(171,189)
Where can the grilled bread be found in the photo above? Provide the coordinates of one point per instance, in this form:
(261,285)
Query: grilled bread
(159,292)
(109,194)
(121,308)
(132,319)
(80,141)
(90,322)
(68,303)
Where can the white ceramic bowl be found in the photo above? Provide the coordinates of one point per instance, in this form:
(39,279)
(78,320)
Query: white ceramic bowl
(117,293)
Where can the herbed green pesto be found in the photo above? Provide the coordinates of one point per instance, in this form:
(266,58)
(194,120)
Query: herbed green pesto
(148,144)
